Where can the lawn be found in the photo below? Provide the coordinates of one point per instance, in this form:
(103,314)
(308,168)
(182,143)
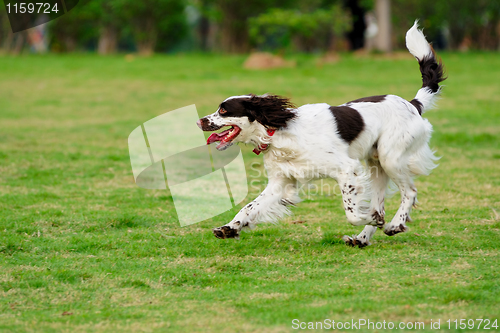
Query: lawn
(83,249)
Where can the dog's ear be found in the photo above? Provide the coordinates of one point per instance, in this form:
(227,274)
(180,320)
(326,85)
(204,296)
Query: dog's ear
(270,110)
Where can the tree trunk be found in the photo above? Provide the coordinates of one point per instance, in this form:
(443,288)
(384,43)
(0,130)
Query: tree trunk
(234,28)
(70,43)
(108,40)
(146,36)
(203,32)
(7,42)
(203,28)
(19,42)
(383,13)
(234,37)
(146,47)
(498,36)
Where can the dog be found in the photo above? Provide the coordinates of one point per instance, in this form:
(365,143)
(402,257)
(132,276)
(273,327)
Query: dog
(362,144)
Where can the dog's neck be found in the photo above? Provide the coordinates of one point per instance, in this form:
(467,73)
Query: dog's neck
(264,146)
(280,143)
(284,146)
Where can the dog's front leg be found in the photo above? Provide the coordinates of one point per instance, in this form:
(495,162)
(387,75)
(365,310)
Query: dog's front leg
(355,187)
(269,206)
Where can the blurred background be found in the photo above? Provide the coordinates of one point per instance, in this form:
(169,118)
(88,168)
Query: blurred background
(278,26)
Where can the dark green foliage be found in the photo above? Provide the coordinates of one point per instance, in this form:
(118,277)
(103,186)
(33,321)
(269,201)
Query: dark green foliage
(153,24)
(153,21)
(75,30)
(233,19)
(303,31)
(470,24)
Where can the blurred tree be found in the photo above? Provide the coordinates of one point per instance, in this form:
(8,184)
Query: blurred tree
(75,29)
(206,25)
(233,20)
(303,31)
(356,34)
(6,34)
(109,23)
(383,15)
(153,23)
(475,22)
(462,23)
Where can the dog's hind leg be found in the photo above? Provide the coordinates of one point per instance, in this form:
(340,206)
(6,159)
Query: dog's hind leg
(408,199)
(361,240)
(269,206)
(379,180)
(420,161)
(399,172)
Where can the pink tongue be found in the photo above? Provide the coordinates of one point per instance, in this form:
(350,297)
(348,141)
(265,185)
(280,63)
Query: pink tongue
(214,137)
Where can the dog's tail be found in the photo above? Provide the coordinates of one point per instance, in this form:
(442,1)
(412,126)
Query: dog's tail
(431,68)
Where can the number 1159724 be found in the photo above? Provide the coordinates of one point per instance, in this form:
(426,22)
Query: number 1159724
(30,7)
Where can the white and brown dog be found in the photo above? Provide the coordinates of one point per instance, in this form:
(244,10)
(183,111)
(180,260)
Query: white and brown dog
(362,144)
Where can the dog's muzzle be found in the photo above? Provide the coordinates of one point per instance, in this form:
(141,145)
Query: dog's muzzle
(206,125)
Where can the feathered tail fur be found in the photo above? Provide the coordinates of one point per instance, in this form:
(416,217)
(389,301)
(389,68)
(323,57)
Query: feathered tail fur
(431,67)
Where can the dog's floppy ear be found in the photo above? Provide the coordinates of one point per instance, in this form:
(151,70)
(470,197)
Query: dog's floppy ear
(270,110)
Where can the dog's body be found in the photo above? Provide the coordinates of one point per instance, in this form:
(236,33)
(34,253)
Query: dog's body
(318,140)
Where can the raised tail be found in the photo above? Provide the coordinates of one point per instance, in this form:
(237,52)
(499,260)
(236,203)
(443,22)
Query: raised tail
(432,69)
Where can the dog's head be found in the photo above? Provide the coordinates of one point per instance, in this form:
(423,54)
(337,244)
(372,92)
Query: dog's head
(248,118)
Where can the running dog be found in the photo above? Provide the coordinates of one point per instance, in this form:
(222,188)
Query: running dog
(362,144)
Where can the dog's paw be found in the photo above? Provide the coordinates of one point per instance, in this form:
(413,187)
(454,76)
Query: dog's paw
(354,241)
(391,229)
(378,219)
(226,232)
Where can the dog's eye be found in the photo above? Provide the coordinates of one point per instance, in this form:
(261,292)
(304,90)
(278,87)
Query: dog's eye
(222,111)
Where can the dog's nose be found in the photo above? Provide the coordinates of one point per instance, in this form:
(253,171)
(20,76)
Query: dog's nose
(199,123)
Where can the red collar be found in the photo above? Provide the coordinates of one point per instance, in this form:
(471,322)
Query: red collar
(264,146)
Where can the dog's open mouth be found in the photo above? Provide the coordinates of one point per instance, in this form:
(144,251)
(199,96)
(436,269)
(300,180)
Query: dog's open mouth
(225,137)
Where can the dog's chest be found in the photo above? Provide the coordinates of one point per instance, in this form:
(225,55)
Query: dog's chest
(297,167)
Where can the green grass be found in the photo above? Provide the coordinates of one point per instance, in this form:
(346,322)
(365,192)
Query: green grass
(83,249)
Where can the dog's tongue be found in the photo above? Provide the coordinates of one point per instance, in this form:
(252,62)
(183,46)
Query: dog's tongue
(214,137)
